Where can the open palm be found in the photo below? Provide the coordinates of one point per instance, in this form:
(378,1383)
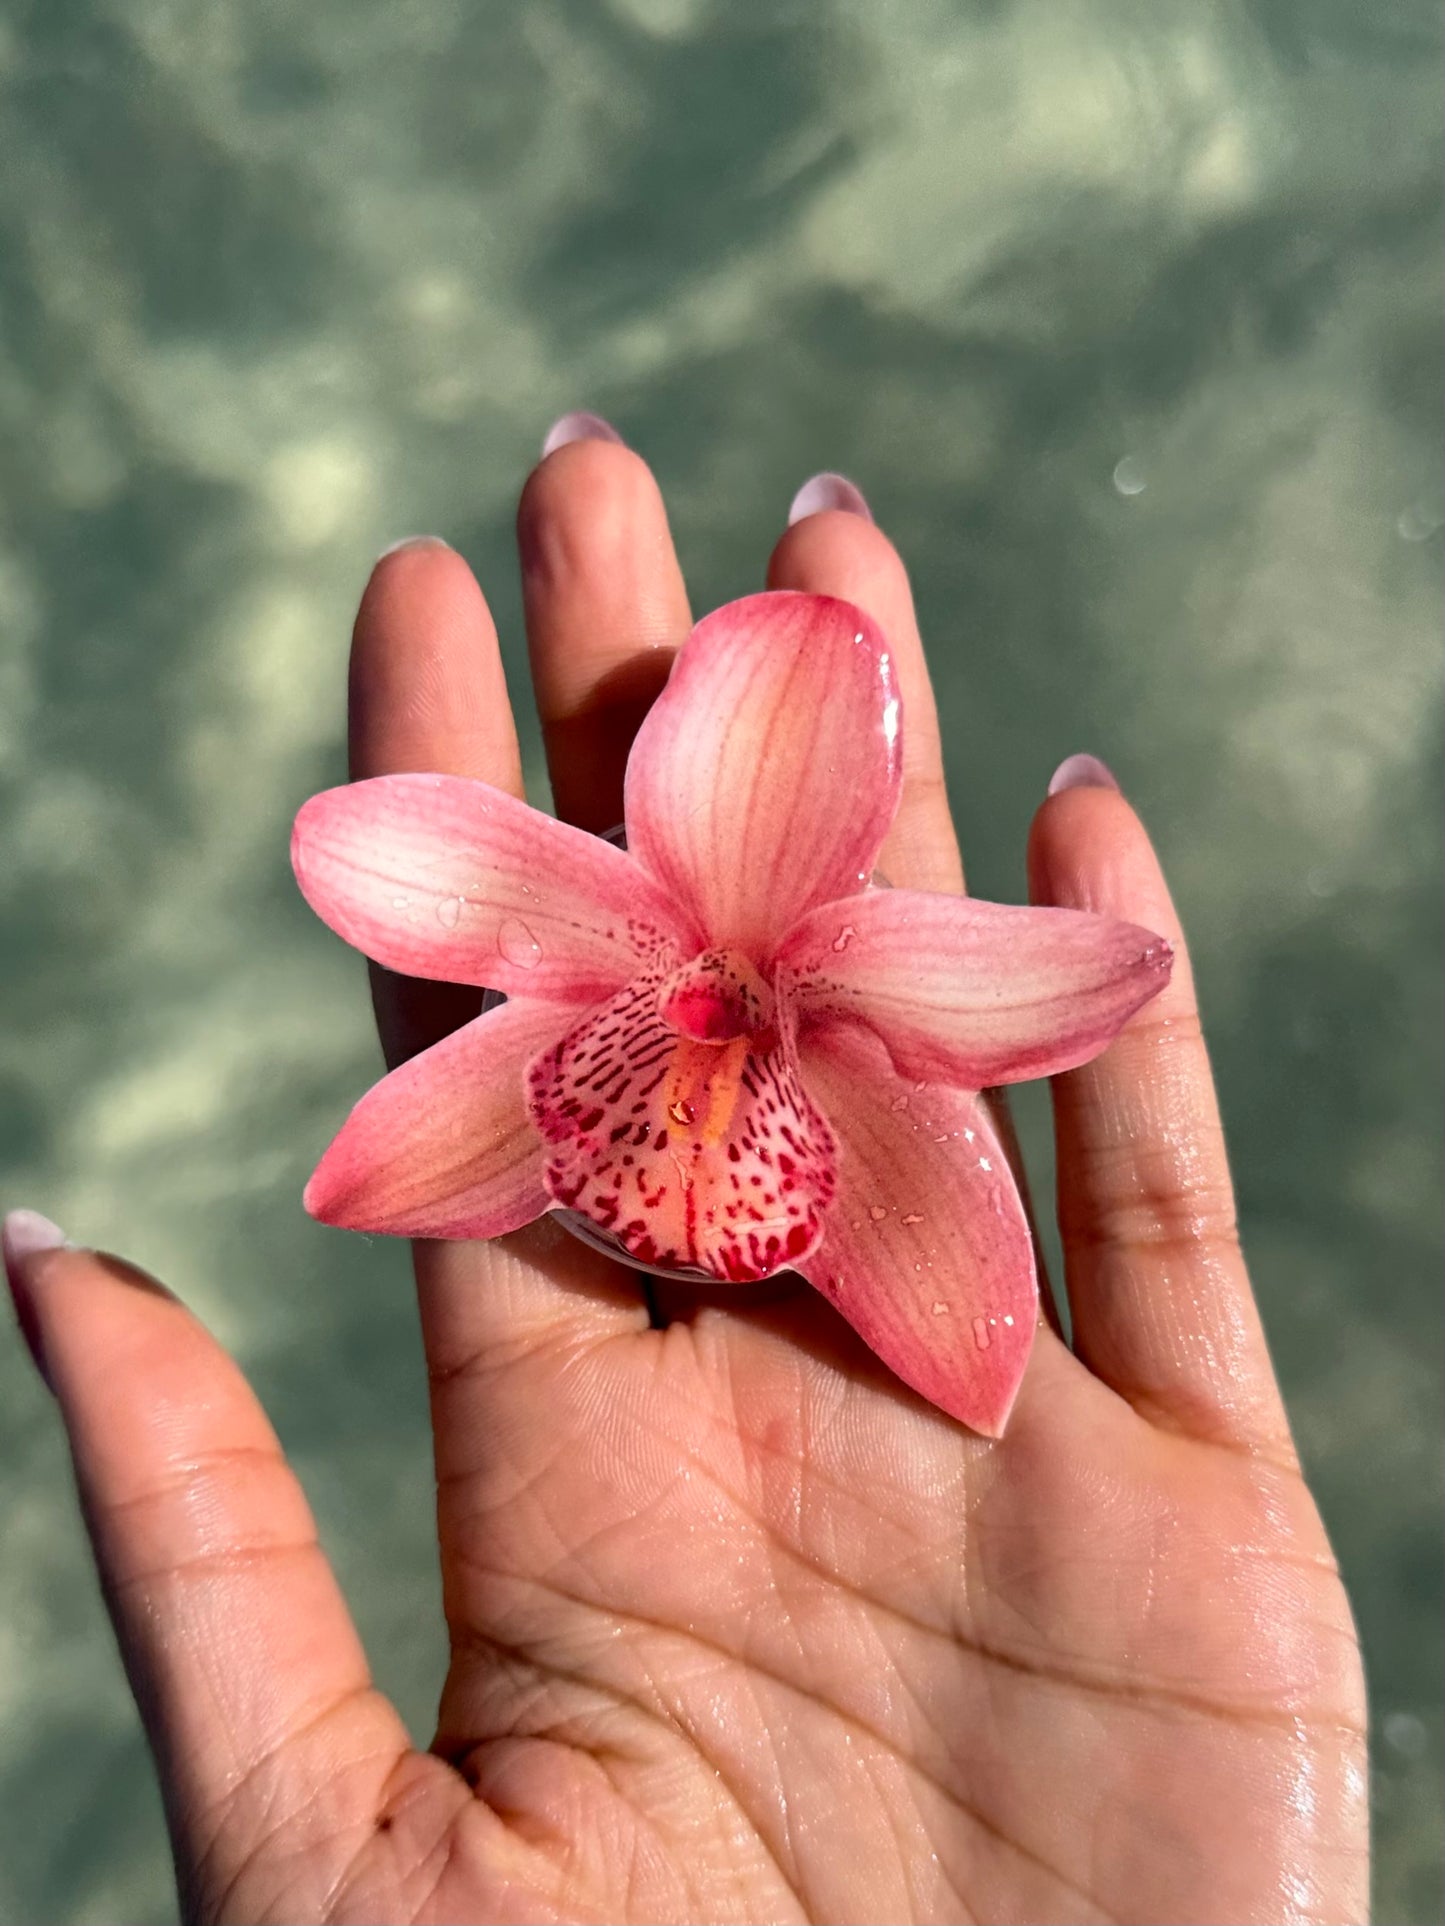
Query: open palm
(741,1629)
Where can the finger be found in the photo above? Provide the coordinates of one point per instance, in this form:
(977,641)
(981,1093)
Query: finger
(427,693)
(606,610)
(839,551)
(240,1650)
(1161,1300)
(833,547)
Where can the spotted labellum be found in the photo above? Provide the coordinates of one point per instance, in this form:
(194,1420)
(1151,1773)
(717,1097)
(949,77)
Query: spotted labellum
(725,1049)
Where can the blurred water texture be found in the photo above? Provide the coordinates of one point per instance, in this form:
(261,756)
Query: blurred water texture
(1124,314)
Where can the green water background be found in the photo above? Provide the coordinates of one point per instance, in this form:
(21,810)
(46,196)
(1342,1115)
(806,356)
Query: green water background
(1125,316)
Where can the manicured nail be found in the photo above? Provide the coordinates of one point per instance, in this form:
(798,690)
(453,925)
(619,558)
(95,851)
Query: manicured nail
(578,426)
(1082,772)
(25,1235)
(828,491)
(412,541)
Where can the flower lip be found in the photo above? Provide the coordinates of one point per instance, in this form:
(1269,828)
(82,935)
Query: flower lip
(586,1232)
(697,1155)
(715,999)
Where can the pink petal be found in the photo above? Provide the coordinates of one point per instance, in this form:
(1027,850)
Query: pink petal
(444,1146)
(973,993)
(693,1154)
(442,877)
(766,775)
(926,1250)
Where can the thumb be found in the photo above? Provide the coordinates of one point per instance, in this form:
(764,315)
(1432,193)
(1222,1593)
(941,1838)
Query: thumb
(275,1752)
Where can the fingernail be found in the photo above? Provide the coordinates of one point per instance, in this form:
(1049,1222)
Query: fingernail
(1082,772)
(578,426)
(25,1235)
(828,491)
(412,541)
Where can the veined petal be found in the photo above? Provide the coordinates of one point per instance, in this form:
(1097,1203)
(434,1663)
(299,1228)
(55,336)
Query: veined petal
(693,1154)
(926,1250)
(972,993)
(444,1146)
(767,772)
(444,877)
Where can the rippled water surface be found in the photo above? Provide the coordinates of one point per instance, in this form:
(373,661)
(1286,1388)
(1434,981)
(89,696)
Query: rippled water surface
(1123,313)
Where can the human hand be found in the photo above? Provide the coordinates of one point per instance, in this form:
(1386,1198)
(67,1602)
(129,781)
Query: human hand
(741,1629)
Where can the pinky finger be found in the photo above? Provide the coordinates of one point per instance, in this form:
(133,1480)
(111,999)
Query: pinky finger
(1161,1301)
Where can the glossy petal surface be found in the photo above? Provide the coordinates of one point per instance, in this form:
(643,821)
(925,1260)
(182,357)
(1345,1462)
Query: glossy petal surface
(926,1250)
(973,993)
(442,877)
(444,1146)
(767,773)
(695,1155)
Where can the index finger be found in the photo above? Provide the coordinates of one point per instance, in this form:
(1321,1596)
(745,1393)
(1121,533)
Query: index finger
(427,693)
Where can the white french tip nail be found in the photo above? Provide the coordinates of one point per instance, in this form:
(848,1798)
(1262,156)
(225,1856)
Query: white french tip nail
(1082,772)
(577,426)
(412,541)
(26,1234)
(828,490)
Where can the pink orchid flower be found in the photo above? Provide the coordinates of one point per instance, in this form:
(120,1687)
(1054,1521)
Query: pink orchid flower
(725,1046)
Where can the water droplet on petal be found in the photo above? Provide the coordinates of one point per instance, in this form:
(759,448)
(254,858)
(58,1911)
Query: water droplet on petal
(1129,476)
(940,1309)
(844,938)
(1008,1317)
(982,1336)
(681,1111)
(398,902)
(899,1103)
(984,1164)
(914,1217)
(517,945)
(449,910)
(877,1212)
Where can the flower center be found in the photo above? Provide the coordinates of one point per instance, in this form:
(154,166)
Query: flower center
(721,1011)
(716,998)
